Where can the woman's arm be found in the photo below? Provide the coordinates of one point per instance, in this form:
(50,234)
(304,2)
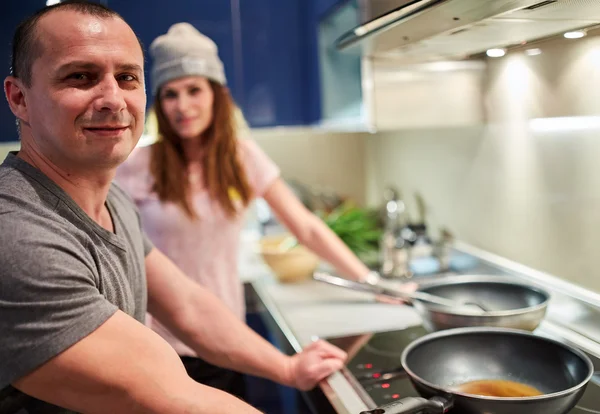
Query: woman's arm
(312,232)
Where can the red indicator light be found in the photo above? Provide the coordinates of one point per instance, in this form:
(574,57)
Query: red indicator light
(376,375)
(396,396)
(385,385)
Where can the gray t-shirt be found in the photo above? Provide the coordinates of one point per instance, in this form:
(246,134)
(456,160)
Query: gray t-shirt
(61,274)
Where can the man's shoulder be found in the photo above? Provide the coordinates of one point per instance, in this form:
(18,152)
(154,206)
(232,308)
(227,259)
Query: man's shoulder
(27,209)
(22,193)
(32,233)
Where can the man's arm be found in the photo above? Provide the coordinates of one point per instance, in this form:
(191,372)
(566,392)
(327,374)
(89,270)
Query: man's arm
(199,319)
(124,367)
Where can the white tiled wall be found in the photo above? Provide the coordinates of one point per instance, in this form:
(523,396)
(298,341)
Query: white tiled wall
(524,188)
(5,148)
(533,198)
(321,160)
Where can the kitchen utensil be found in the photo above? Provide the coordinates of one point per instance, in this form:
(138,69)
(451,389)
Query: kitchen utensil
(509,303)
(421,208)
(399,294)
(439,363)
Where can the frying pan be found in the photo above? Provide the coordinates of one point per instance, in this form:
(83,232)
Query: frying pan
(508,303)
(438,362)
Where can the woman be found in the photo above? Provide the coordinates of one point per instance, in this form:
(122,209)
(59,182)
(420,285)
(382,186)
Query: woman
(194,184)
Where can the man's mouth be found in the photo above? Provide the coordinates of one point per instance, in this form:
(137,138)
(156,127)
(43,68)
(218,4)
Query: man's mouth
(107,130)
(107,127)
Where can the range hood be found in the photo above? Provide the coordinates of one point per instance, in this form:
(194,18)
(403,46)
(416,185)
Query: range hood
(416,31)
(363,93)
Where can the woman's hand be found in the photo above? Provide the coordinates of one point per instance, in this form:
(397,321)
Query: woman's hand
(373,278)
(405,287)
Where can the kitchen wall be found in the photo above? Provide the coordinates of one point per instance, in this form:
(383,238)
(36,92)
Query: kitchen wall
(320,159)
(323,160)
(5,147)
(527,184)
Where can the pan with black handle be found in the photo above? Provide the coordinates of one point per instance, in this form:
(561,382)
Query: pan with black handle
(441,364)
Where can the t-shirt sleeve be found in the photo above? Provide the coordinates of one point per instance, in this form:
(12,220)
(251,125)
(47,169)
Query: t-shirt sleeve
(148,245)
(49,296)
(260,169)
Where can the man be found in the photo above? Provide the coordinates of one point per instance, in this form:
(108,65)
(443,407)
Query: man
(77,271)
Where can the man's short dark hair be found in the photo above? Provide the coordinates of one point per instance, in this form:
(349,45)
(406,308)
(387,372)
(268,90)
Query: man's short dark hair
(26,47)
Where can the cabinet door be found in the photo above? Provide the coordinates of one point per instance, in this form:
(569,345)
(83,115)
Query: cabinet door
(324,6)
(340,72)
(274,49)
(210,17)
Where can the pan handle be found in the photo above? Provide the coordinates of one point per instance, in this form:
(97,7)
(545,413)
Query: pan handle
(350,284)
(360,286)
(414,405)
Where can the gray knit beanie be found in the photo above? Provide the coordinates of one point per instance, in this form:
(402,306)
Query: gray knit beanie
(184,51)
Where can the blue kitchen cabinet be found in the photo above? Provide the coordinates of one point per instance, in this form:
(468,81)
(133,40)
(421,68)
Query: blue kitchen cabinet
(323,7)
(275,66)
(314,82)
(268,47)
(281,73)
(262,43)
(12,14)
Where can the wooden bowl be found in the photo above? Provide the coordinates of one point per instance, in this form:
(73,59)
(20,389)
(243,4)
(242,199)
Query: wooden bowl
(292,265)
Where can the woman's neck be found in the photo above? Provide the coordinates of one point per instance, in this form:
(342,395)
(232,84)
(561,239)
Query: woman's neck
(193,149)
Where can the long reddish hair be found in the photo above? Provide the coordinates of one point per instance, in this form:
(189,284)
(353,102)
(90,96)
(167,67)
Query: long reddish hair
(222,168)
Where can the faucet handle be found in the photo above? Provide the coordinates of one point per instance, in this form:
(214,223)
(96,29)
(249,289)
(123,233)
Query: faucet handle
(391,193)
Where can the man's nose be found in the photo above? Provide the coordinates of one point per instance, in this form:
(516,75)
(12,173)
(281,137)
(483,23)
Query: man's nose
(110,96)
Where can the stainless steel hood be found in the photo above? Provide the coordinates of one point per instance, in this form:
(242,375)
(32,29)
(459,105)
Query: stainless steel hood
(366,93)
(429,30)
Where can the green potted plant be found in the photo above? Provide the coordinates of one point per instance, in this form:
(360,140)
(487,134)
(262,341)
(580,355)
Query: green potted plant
(357,227)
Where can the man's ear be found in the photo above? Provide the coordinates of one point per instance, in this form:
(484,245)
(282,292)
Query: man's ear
(15,95)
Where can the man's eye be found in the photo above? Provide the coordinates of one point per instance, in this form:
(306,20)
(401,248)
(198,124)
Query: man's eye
(128,78)
(78,76)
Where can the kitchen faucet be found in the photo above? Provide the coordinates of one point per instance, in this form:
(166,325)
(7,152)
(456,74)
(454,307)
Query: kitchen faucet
(394,250)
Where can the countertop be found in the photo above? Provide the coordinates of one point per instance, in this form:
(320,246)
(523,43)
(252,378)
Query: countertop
(309,310)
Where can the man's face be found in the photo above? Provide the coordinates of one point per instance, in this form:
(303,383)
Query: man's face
(85,106)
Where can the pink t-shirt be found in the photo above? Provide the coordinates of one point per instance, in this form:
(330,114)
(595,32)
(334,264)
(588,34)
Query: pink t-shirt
(206,250)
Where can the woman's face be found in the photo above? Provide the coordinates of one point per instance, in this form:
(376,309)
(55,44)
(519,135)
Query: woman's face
(188,105)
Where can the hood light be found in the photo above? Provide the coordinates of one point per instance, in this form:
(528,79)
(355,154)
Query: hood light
(533,52)
(578,34)
(495,53)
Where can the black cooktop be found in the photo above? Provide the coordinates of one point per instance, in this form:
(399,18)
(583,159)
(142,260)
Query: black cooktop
(375,371)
